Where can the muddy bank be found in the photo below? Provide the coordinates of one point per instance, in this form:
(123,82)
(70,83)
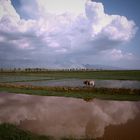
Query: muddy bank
(71,89)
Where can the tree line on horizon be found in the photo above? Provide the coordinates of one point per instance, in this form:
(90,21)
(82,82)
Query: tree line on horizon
(42,69)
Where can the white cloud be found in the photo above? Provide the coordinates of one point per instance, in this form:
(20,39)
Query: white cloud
(6,9)
(61,6)
(63,31)
(116,54)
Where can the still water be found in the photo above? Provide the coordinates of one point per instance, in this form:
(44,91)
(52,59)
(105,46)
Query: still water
(69,117)
(79,83)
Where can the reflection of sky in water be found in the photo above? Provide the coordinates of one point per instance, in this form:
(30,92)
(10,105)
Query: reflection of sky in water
(78,82)
(64,117)
(118,84)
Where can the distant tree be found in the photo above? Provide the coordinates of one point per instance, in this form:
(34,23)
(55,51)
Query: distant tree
(19,69)
(1,70)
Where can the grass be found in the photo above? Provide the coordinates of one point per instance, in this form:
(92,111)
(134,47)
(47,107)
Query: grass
(77,92)
(84,93)
(104,74)
(12,132)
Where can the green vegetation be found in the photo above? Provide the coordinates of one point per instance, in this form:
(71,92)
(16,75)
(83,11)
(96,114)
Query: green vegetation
(48,75)
(80,92)
(12,132)
(85,93)
(7,79)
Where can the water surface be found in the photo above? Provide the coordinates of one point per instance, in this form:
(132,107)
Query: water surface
(69,117)
(79,83)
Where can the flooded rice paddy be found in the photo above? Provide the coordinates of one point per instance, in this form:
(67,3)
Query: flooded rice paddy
(79,83)
(69,117)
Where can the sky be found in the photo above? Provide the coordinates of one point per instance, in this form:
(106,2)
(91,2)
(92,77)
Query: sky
(69,33)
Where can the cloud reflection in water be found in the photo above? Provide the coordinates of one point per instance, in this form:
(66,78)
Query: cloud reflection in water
(64,117)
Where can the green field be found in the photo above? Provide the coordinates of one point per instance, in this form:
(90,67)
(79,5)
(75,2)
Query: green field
(8,79)
(85,93)
(48,75)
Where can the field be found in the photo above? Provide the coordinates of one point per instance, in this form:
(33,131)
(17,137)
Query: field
(8,84)
(48,75)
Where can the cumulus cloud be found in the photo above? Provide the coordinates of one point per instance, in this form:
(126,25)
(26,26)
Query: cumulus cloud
(64,117)
(60,35)
(116,54)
